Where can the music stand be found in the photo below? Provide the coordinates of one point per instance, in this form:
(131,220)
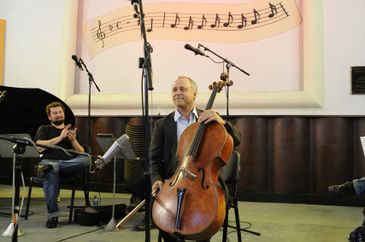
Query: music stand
(15,146)
(105,141)
(6,145)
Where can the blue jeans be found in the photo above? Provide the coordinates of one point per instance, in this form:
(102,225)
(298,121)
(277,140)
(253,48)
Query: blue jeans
(62,169)
(359,185)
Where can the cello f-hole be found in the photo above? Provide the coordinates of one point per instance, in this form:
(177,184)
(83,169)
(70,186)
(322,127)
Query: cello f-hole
(204,187)
(171,184)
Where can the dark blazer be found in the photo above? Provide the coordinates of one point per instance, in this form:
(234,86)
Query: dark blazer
(163,146)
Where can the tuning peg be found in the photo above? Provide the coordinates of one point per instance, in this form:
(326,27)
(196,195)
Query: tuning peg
(224,76)
(211,86)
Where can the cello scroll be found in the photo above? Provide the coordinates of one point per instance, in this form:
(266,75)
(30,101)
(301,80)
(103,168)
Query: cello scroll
(224,82)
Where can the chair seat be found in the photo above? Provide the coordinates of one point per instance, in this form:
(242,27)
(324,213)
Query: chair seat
(73,181)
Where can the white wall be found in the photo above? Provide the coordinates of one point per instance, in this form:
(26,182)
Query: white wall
(344,47)
(34,43)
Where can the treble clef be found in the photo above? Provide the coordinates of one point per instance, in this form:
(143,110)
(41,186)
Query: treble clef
(100,34)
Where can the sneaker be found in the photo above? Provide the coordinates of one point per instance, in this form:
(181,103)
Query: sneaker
(341,190)
(357,235)
(52,222)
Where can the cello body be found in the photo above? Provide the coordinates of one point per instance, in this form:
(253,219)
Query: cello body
(191,204)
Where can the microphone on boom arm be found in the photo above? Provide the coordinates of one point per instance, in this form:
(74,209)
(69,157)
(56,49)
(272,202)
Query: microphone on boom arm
(121,146)
(77,62)
(135,4)
(197,51)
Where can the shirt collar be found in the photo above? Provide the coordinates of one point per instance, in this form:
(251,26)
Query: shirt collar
(193,114)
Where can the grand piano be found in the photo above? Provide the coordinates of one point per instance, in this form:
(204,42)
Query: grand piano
(22,110)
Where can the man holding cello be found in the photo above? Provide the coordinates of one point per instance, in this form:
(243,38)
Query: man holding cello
(165,161)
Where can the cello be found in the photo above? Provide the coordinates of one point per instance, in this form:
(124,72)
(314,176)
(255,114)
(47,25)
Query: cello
(191,204)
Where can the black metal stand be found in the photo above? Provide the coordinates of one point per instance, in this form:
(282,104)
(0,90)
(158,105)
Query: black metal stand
(91,81)
(18,150)
(225,60)
(89,134)
(224,76)
(145,63)
(227,93)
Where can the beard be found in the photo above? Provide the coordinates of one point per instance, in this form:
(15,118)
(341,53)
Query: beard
(58,122)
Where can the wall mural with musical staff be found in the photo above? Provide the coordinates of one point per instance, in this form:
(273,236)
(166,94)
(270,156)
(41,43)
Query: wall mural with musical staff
(225,23)
(278,42)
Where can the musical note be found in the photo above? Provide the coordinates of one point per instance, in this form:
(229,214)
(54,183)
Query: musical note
(204,22)
(119,24)
(230,20)
(151,26)
(243,22)
(217,22)
(163,20)
(274,11)
(257,17)
(281,5)
(177,21)
(190,24)
(100,34)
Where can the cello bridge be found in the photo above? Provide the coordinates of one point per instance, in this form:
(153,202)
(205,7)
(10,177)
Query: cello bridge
(187,173)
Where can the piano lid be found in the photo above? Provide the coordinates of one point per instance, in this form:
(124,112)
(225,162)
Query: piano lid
(23,110)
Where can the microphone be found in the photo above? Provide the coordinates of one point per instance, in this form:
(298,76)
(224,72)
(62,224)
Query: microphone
(197,51)
(121,144)
(135,5)
(77,61)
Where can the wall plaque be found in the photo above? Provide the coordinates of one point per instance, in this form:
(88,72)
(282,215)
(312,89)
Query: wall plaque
(358,79)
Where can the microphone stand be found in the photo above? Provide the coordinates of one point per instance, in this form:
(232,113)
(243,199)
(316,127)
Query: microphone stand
(225,60)
(229,64)
(91,80)
(147,74)
(18,150)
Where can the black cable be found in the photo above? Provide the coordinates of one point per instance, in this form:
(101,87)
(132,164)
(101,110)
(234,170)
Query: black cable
(244,229)
(75,236)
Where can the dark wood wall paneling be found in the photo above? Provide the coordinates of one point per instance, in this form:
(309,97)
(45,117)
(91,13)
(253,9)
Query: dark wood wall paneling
(284,158)
(333,158)
(254,150)
(289,142)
